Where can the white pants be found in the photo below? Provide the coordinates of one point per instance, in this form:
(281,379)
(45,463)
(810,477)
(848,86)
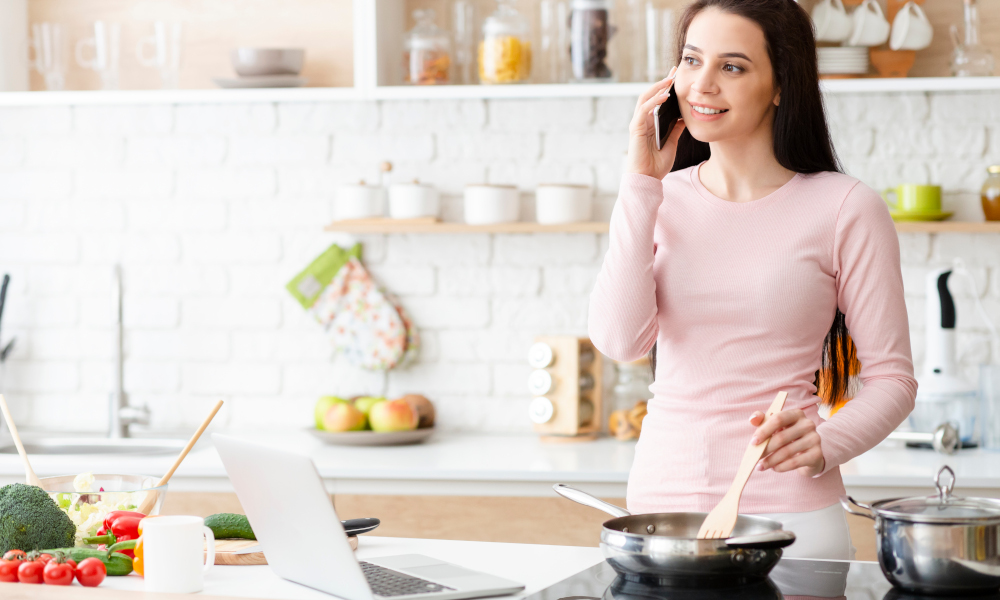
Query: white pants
(819,533)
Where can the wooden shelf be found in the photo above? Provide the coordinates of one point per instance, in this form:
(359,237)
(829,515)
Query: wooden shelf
(449,92)
(430,226)
(948,227)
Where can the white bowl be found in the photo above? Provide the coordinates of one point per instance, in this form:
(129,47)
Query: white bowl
(251,62)
(562,203)
(486,204)
(359,201)
(413,201)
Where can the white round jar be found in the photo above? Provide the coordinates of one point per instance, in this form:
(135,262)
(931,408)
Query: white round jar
(562,203)
(413,200)
(359,201)
(485,204)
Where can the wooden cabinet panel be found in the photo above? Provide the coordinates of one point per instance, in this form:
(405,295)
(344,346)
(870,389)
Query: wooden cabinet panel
(552,521)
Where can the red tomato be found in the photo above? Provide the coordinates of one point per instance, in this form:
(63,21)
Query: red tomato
(12,554)
(72,563)
(42,558)
(57,573)
(90,572)
(8,570)
(30,572)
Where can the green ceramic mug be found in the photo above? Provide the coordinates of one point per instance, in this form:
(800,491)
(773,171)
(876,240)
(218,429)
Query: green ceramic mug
(914,198)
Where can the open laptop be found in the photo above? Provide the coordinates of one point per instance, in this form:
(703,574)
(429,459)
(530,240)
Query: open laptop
(303,540)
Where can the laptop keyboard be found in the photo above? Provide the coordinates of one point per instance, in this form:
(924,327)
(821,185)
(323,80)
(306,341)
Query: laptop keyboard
(386,582)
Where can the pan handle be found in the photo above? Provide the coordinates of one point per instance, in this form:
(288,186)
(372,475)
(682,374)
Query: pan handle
(587,500)
(850,505)
(763,541)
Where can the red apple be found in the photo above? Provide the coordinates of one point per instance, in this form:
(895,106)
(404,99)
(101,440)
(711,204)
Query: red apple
(343,417)
(393,415)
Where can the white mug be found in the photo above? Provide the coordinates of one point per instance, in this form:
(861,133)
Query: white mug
(911,30)
(831,20)
(105,50)
(175,557)
(870,26)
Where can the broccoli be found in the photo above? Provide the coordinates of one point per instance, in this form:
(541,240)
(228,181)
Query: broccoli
(31,520)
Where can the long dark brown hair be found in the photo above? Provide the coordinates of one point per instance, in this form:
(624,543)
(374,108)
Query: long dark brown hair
(801,141)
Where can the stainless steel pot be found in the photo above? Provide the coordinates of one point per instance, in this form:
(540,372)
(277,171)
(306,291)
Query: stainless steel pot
(939,544)
(664,545)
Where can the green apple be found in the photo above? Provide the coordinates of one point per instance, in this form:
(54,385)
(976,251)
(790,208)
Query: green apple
(323,405)
(365,403)
(344,417)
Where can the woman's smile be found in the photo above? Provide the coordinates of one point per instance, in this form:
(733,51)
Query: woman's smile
(704,112)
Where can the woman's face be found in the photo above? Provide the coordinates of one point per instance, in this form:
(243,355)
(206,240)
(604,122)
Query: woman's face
(724,84)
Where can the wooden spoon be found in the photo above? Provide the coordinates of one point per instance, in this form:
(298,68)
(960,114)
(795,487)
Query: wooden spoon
(720,522)
(147,504)
(29,473)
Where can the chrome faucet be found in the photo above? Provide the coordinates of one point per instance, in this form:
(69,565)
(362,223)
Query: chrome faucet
(120,414)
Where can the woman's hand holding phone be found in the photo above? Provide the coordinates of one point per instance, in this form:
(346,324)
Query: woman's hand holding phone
(643,157)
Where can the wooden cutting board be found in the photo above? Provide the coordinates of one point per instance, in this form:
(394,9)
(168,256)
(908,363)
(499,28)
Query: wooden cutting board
(225,552)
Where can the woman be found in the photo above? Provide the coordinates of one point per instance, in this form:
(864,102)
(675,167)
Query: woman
(744,255)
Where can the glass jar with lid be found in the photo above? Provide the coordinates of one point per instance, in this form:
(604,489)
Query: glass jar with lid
(590,33)
(629,396)
(426,51)
(991,194)
(505,51)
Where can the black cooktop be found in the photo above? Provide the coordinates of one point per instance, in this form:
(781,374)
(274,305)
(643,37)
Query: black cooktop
(792,579)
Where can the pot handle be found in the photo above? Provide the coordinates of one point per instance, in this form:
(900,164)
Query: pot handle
(849,505)
(763,541)
(587,500)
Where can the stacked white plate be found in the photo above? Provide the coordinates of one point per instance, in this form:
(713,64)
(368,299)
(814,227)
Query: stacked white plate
(846,60)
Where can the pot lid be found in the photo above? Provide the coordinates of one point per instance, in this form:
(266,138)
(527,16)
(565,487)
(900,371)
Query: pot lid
(942,507)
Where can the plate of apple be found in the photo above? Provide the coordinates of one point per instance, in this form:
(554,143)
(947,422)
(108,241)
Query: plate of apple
(373,420)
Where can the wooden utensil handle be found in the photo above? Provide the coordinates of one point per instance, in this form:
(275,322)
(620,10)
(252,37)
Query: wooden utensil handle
(29,473)
(755,451)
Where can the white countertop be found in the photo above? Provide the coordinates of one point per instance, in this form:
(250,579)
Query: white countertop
(535,566)
(495,465)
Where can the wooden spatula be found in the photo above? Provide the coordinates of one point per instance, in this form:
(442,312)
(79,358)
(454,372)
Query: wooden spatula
(720,522)
(150,500)
(29,473)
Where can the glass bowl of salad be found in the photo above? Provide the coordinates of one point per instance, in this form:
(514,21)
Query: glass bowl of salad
(88,497)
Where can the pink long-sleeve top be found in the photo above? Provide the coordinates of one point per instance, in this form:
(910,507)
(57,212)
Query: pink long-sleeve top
(739,298)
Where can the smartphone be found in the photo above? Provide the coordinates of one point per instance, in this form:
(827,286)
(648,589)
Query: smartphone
(665,116)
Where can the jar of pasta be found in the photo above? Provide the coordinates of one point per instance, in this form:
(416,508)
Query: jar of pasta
(505,52)
(426,51)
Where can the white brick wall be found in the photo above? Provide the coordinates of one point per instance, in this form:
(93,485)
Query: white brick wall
(211,209)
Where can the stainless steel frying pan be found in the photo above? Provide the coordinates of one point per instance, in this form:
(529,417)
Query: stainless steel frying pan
(665,545)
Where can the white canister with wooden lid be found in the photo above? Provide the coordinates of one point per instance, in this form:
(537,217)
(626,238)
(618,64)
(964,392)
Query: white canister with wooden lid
(562,203)
(485,204)
(359,201)
(413,200)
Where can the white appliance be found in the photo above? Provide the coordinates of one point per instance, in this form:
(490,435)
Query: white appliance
(304,540)
(942,395)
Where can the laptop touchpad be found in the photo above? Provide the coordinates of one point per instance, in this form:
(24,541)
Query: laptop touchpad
(440,571)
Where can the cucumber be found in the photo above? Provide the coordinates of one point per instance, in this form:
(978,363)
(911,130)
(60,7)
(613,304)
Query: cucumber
(116,565)
(229,526)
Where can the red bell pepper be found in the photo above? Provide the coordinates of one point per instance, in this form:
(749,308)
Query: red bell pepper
(119,526)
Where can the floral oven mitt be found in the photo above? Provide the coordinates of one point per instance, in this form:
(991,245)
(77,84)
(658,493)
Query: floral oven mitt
(364,324)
